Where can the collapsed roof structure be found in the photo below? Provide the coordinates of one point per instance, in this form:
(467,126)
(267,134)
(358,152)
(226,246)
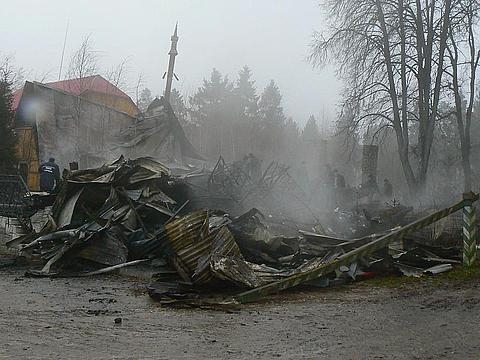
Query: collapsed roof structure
(90,121)
(158,134)
(135,211)
(89,127)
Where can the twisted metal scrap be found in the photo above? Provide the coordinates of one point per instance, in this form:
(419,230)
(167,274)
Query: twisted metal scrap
(353,255)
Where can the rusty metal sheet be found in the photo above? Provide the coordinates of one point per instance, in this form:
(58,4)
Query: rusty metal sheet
(106,248)
(196,242)
(66,212)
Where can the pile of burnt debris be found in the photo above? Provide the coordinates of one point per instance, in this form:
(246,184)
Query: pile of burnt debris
(135,211)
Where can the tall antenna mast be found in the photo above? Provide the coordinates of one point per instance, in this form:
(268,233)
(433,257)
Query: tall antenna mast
(171,64)
(63,51)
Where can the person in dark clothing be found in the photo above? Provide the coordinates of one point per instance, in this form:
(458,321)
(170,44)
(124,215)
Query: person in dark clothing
(254,166)
(387,189)
(339,180)
(340,189)
(328,176)
(49,176)
(371,187)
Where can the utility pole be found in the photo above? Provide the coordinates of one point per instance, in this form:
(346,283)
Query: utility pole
(171,64)
(63,52)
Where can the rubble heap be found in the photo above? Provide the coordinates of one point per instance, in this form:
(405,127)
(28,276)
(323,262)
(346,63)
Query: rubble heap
(128,212)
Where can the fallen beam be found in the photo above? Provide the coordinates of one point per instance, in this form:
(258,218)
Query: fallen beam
(349,257)
(114,267)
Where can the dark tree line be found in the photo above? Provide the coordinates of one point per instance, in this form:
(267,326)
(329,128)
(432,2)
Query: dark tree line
(7,134)
(230,118)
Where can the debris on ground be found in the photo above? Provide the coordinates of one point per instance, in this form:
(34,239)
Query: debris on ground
(132,212)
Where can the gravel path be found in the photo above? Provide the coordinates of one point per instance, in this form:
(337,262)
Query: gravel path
(75,318)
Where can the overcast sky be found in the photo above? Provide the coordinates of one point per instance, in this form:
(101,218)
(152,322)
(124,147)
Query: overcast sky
(272,37)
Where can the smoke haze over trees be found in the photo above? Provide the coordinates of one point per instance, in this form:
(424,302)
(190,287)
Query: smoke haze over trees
(232,118)
(399,61)
(408,70)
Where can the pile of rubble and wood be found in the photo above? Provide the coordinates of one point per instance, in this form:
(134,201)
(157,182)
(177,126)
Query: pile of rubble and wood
(135,211)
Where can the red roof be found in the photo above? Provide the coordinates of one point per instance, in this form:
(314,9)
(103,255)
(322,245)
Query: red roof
(17,95)
(77,87)
(90,83)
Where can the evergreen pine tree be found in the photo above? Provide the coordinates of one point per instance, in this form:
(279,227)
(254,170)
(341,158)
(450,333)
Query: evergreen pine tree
(291,142)
(7,134)
(246,110)
(211,99)
(271,111)
(310,131)
(178,105)
(246,93)
(272,121)
(144,99)
(213,110)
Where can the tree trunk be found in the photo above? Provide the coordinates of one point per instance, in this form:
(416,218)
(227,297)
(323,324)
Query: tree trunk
(464,123)
(402,137)
(467,170)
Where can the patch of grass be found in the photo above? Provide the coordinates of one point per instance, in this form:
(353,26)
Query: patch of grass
(462,273)
(459,274)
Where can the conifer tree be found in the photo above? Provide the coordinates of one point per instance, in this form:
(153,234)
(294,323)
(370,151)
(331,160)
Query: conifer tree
(271,111)
(272,121)
(310,132)
(246,93)
(7,134)
(212,109)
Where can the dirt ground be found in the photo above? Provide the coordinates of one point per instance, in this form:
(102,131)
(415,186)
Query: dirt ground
(75,318)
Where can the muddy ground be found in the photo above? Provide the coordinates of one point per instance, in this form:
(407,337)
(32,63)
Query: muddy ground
(74,318)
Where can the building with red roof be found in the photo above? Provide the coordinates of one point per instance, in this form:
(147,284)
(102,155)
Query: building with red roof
(94,88)
(90,121)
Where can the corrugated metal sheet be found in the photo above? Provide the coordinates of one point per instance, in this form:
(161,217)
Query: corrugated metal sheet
(195,245)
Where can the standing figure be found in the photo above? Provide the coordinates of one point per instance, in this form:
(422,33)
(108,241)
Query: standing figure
(328,176)
(339,180)
(387,189)
(49,176)
(255,167)
(371,187)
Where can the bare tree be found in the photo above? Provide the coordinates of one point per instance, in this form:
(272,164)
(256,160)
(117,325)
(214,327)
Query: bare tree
(43,76)
(11,74)
(464,57)
(390,55)
(84,63)
(139,85)
(118,74)
(7,134)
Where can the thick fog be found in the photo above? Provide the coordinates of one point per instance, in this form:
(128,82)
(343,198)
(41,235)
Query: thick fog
(253,79)
(272,37)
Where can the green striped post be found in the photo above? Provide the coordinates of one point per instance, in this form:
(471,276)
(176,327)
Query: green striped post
(469,230)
